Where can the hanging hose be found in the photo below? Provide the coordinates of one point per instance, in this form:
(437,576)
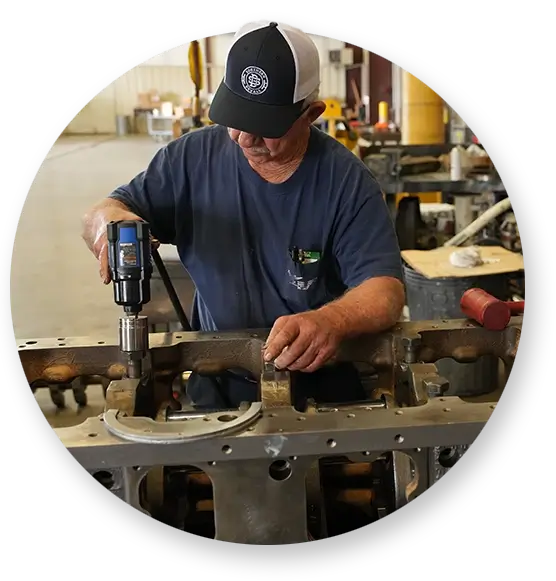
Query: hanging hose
(184,322)
(174,299)
(480,223)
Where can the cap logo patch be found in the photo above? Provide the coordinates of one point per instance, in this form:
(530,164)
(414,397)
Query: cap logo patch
(254,80)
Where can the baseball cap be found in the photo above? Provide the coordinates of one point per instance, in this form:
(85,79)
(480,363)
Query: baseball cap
(270,70)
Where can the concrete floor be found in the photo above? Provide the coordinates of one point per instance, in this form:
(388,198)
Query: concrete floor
(55,287)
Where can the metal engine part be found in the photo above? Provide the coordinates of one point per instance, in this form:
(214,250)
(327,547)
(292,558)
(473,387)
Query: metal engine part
(267,473)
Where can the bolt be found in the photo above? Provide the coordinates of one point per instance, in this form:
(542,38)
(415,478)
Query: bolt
(411,345)
(436,386)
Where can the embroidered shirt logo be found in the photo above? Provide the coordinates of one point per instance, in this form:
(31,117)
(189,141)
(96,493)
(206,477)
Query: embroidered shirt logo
(299,283)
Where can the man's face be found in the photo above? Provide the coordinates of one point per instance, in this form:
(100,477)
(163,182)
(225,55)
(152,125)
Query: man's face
(261,149)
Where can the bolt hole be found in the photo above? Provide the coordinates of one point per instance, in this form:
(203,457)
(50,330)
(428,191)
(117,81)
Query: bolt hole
(492,407)
(212,463)
(351,415)
(271,415)
(178,336)
(442,399)
(399,413)
(227,418)
(447,409)
(100,342)
(227,449)
(22,346)
(61,344)
(280,470)
(105,478)
(399,438)
(206,419)
(137,468)
(331,443)
(448,457)
(293,458)
(300,419)
(250,428)
(30,342)
(366,453)
(92,435)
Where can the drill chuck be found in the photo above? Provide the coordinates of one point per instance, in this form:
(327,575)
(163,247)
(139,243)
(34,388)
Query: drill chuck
(129,256)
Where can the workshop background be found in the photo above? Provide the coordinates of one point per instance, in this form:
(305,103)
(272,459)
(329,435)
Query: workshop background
(442,189)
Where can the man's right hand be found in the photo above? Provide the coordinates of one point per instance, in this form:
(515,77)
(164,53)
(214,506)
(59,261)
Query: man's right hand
(95,224)
(100,243)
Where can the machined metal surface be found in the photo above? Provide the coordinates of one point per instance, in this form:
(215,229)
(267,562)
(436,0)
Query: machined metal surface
(261,461)
(289,433)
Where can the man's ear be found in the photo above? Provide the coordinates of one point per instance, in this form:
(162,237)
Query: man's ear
(315,110)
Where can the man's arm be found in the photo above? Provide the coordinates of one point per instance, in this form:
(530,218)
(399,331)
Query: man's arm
(374,306)
(367,252)
(150,196)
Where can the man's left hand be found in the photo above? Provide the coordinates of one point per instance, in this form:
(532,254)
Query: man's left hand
(303,342)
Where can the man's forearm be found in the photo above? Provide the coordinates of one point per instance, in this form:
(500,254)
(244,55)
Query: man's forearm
(373,306)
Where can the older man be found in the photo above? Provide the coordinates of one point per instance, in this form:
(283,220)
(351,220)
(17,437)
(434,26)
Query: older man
(278,224)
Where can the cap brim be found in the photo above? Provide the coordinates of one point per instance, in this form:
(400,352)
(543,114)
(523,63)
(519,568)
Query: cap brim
(271,121)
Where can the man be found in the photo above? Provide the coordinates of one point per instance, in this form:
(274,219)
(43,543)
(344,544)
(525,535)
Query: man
(278,224)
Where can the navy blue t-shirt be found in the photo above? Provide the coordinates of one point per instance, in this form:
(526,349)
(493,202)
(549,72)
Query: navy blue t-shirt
(236,234)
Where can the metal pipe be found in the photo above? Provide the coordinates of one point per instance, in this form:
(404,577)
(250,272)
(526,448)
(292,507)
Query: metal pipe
(480,223)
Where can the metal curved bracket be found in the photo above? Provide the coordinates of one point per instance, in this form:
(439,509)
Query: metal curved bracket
(147,431)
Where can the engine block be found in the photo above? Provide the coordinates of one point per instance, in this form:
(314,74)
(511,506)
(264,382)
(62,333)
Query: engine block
(268,473)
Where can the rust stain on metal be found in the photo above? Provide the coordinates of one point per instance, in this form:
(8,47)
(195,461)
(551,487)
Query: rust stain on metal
(60,373)
(115,371)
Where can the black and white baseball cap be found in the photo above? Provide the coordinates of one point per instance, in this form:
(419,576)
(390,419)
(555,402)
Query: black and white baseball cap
(270,70)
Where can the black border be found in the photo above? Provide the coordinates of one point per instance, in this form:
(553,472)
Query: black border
(488,517)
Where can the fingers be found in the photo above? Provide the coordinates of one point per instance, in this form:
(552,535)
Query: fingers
(276,328)
(104,266)
(300,343)
(323,356)
(282,335)
(305,359)
(284,338)
(314,357)
(294,350)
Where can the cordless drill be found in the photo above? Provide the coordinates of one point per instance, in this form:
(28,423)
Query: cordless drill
(129,258)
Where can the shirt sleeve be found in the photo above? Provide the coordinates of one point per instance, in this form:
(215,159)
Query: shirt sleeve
(151,195)
(365,244)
